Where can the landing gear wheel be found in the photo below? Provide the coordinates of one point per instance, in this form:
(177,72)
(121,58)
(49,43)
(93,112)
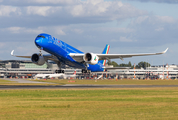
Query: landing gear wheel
(85,71)
(59,71)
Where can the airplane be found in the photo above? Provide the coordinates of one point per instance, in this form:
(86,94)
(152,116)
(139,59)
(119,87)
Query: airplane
(61,52)
(55,75)
(48,75)
(100,77)
(70,76)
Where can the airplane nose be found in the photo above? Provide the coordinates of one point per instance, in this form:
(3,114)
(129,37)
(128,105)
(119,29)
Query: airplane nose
(38,42)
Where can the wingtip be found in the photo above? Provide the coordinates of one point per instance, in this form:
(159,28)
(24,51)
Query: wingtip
(166,50)
(12,52)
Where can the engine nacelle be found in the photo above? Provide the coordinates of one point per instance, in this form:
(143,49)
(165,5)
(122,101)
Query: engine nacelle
(38,59)
(90,58)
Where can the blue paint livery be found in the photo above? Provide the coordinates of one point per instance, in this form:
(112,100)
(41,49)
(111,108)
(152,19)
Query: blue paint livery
(62,50)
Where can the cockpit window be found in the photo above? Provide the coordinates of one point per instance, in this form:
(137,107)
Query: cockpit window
(41,36)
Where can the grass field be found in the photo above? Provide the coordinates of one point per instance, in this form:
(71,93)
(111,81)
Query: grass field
(101,104)
(5,81)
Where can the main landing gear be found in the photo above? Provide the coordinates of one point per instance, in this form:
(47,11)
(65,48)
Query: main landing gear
(85,71)
(59,66)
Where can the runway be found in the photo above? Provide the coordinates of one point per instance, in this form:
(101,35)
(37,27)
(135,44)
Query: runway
(26,81)
(70,86)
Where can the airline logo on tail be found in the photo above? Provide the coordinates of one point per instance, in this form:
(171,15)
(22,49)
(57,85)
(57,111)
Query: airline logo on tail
(105,51)
(74,72)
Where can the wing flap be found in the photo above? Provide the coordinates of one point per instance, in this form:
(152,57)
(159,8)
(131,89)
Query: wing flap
(77,57)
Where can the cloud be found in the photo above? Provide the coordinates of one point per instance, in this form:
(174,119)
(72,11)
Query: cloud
(6,11)
(155,30)
(92,23)
(158,1)
(41,11)
(23,48)
(39,2)
(53,1)
(159,29)
(116,30)
(20,30)
(124,39)
(89,11)
(2,44)
(154,20)
(78,31)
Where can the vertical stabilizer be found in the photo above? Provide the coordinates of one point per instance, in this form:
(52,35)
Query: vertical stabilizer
(74,72)
(105,51)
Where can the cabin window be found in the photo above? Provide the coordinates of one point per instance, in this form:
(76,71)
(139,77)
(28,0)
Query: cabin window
(41,36)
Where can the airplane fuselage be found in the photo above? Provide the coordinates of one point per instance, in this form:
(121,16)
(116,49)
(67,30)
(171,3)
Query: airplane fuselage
(62,50)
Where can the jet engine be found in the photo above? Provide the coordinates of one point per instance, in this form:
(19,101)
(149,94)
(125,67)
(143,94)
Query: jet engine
(38,59)
(90,58)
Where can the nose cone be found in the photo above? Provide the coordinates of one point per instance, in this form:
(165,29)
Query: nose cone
(38,42)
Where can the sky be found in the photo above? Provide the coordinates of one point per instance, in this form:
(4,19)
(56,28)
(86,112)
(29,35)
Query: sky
(128,26)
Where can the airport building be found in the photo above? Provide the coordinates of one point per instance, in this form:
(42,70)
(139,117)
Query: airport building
(153,72)
(26,69)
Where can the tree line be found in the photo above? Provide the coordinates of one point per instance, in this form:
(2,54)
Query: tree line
(141,64)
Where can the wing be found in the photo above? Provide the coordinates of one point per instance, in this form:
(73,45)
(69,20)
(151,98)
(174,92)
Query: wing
(46,57)
(79,57)
(12,53)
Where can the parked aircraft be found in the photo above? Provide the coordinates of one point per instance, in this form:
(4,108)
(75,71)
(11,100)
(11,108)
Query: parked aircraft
(61,52)
(55,75)
(100,76)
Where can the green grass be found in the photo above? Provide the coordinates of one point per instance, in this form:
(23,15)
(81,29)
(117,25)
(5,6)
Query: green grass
(116,82)
(101,104)
(5,81)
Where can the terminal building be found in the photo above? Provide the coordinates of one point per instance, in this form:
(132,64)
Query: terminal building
(26,69)
(153,72)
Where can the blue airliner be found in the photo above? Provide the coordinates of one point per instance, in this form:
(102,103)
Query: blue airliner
(61,52)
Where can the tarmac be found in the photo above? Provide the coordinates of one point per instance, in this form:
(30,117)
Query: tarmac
(26,81)
(68,86)
(72,86)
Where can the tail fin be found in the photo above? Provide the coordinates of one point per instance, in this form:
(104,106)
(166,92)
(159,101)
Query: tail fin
(74,72)
(105,51)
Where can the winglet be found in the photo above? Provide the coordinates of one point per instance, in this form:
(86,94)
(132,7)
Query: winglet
(12,53)
(166,50)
